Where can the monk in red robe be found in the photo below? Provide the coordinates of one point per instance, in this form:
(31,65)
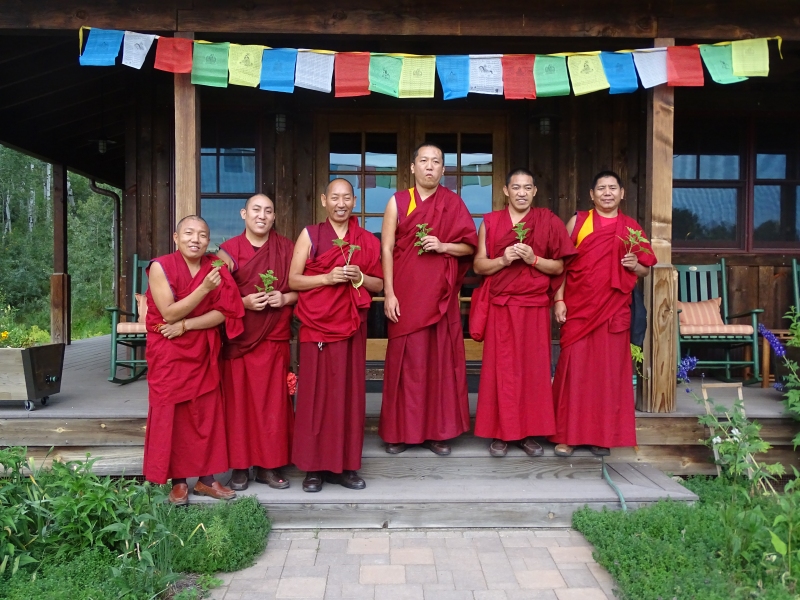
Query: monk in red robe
(259,416)
(427,241)
(522,272)
(592,388)
(335,266)
(187,299)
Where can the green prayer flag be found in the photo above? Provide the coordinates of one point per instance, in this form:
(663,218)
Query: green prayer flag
(550,76)
(210,64)
(719,62)
(384,74)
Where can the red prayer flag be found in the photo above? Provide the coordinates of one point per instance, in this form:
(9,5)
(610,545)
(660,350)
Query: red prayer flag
(518,81)
(174,55)
(351,76)
(684,67)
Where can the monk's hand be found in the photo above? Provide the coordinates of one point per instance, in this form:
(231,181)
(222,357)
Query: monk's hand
(337,276)
(276,299)
(560,310)
(430,243)
(509,256)
(630,262)
(212,280)
(352,272)
(525,252)
(256,301)
(391,308)
(171,331)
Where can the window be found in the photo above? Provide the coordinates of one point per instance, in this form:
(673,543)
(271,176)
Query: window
(736,184)
(227,172)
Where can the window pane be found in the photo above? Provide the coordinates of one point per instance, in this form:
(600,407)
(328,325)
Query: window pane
(377,191)
(704,214)
(719,166)
(476,152)
(684,166)
(208,174)
(345,152)
(354,180)
(237,130)
(447,142)
(476,190)
(374,224)
(381,152)
(237,174)
(770,166)
(777,214)
(450,182)
(223,218)
(478,221)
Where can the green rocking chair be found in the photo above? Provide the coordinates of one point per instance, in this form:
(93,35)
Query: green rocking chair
(131,334)
(703,318)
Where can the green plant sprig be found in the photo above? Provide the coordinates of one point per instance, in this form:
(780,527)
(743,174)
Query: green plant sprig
(422,231)
(267,279)
(634,241)
(351,249)
(218,263)
(519,230)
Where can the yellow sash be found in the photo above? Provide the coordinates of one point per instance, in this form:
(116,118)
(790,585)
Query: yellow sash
(413,204)
(586,228)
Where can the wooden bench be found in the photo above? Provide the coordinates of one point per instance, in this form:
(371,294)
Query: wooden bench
(131,333)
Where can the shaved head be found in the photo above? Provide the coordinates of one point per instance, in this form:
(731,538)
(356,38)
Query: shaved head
(332,181)
(192,218)
(258,197)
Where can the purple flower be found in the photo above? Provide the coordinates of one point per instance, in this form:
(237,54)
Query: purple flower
(777,347)
(779,386)
(686,365)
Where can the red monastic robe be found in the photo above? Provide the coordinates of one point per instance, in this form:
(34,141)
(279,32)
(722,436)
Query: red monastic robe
(185,434)
(331,391)
(425,377)
(259,416)
(515,398)
(593,389)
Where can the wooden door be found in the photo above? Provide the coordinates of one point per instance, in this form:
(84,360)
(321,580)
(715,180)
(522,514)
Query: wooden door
(373,152)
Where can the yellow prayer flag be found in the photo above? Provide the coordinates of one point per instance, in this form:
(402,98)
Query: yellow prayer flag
(417,77)
(244,65)
(587,74)
(750,58)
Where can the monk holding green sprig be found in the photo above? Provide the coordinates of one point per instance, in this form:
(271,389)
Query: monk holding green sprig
(258,409)
(521,252)
(428,239)
(335,268)
(592,386)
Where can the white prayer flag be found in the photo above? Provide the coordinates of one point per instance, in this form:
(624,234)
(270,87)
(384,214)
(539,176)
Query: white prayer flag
(651,64)
(314,70)
(135,48)
(486,74)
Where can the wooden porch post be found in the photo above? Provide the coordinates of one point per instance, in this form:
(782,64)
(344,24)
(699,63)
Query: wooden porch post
(660,285)
(60,305)
(187,143)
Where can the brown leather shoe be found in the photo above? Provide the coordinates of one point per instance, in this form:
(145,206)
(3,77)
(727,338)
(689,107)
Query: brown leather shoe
(348,479)
(437,447)
(498,448)
(179,495)
(272,477)
(600,451)
(312,482)
(396,448)
(216,490)
(239,479)
(531,447)
(563,450)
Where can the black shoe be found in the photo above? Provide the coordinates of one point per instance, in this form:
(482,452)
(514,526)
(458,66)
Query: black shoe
(396,448)
(312,482)
(437,447)
(600,451)
(239,479)
(348,479)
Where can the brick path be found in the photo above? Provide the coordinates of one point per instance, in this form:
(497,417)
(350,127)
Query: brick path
(477,564)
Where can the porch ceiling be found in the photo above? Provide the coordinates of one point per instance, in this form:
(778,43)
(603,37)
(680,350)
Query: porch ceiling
(52,108)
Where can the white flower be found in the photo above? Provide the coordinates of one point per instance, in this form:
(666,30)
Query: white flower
(716,440)
(734,432)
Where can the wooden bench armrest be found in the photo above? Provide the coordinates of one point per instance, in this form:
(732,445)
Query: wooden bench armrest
(747,313)
(119,310)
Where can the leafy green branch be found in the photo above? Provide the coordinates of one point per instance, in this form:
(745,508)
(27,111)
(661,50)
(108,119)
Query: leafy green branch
(634,241)
(422,231)
(519,230)
(267,279)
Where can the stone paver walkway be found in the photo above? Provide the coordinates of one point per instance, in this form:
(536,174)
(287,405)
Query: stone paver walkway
(471,564)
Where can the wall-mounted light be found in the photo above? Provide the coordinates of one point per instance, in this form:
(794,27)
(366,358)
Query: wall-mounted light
(280,123)
(544,125)
(102,146)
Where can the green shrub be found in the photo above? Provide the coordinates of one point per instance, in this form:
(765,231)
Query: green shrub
(235,534)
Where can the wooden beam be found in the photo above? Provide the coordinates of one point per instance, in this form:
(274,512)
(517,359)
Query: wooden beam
(151,15)
(187,144)
(660,289)
(59,281)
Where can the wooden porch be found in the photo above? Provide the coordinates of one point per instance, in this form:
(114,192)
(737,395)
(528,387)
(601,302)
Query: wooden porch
(414,489)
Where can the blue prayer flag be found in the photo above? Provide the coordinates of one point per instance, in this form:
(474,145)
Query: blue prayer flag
(620,72)
(277,70)
(101,48)
(454,75)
